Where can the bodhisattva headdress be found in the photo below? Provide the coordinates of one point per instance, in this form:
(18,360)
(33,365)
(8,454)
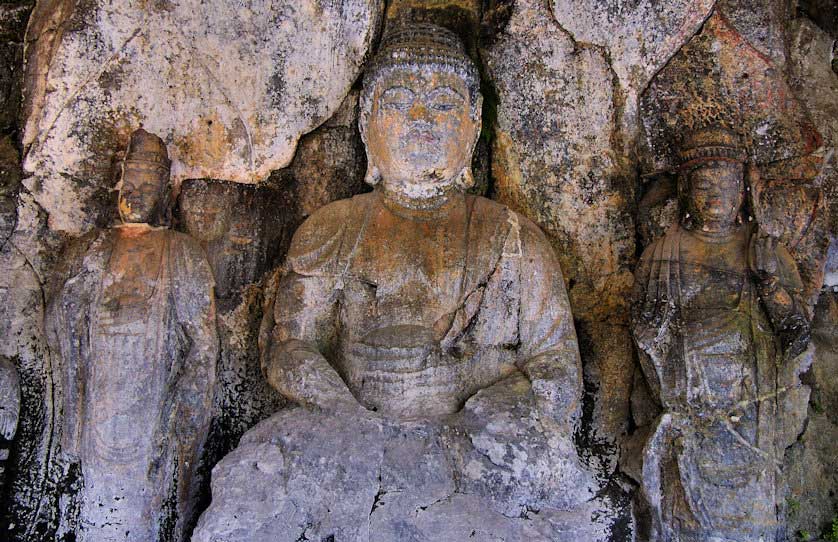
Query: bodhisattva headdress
(715,143)
(148,150)
(708,144)
(418,47)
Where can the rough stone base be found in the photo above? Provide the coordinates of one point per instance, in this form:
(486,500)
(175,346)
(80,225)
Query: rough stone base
(306,475)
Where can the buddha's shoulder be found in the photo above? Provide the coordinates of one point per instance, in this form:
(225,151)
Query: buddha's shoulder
(492,214)
(334,213)
(320,235)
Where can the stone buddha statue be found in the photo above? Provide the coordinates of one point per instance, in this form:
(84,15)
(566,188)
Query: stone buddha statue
(719,319)
(426,337)
(132,319)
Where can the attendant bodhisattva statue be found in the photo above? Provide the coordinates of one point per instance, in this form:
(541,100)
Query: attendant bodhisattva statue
(132,320)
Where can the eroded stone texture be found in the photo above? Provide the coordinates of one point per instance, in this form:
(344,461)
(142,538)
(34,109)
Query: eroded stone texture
(732,81)
(639,37)
(811,463)
(230,87)
(721,77)
(560,158)
(815,83)
(428,339)
(329,165)
(720,317)
(132,324)
(242,229)
(303,474)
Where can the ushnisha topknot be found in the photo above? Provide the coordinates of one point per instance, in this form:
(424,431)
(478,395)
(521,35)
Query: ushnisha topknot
(709,144)
(415,47)
(147,148)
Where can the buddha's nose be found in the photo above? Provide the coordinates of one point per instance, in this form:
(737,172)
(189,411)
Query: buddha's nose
(418,111)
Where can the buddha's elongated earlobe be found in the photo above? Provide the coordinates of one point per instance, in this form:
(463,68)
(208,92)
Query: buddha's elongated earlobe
(373,176)
(465,179)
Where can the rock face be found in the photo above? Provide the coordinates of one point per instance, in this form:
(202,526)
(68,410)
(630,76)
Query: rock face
(230,88)
(559,158)
(240,231)
(306,475)
(639,37)
(811,462)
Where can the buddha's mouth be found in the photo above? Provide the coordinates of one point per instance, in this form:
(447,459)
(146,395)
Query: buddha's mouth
(423,135)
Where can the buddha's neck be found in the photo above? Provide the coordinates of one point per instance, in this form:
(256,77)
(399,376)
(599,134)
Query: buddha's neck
(713,231)
(421,208)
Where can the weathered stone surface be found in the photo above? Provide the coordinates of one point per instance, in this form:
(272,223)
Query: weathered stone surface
(823,12)
(13,19)
(230,88)
(142,299)
(25,258)
(815,83)
(9,412)
(303,474)
(640,37)
(242,234)
(763,23)
(559,158)
(812,464)
(720,317)
(329,165)
(720,75)
(429,329)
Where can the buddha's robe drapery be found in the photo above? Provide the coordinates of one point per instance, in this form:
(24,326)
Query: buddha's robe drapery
(453,329)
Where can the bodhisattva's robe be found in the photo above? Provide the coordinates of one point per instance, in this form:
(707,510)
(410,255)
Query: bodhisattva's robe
(719,366)
(132,322)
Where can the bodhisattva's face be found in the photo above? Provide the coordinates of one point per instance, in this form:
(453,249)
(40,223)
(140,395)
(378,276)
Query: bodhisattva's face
(420,133)
(715,194)
(143,186)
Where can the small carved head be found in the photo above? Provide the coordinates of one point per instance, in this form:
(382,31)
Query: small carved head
(711,180)
(144,185)
(205,208)
(420,112)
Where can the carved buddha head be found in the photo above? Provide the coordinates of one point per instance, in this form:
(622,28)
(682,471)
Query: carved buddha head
(420,115)
(145,179)
(711,181)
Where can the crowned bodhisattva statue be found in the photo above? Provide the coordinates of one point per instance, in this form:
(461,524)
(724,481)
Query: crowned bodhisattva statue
(132,319)
(426,337)
(719,319)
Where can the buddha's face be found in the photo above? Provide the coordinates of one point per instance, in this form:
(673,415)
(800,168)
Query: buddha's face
(716,193)
(143,187)
(421,132)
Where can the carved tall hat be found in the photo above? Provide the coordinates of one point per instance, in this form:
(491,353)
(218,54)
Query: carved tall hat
(147,148)
(710,143)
